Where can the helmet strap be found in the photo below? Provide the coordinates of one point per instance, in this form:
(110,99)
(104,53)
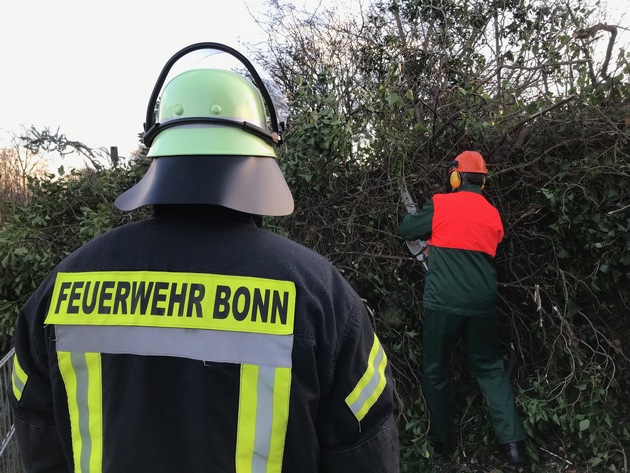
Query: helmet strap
(151,133)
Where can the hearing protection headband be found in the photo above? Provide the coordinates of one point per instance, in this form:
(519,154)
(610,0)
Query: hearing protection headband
(152,128)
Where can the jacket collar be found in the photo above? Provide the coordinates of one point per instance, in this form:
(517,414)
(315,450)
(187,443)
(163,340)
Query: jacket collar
(470,188)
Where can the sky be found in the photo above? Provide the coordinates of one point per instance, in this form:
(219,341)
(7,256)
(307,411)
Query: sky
(88,68)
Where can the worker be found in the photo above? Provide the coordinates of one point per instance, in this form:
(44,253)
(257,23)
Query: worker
(194,340)
(463,231)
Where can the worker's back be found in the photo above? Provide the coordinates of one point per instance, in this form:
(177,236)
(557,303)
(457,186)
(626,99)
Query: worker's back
(205,344)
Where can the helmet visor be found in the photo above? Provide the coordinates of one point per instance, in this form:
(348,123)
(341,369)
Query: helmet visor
(250,184)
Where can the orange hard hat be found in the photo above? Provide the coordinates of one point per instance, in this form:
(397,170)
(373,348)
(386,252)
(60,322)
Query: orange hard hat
(469,161)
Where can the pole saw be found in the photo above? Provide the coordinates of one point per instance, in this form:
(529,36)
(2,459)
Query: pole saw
(418,248)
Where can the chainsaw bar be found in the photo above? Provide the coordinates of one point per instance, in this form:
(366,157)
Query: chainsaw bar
(417,247)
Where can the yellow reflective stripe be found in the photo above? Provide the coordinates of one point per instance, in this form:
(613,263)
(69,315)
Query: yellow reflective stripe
(173,300)
(82,376)
(281,394)
(372,383)
(246,429)
(263,417)
(70,380)
(19,378)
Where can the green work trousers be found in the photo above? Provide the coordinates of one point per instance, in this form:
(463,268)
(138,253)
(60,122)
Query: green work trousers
(442,331)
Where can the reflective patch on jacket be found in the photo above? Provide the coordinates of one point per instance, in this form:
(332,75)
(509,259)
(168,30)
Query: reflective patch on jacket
(173,300)
(205,317)
(372,383)
(82,376)
(18,378)
(263,416)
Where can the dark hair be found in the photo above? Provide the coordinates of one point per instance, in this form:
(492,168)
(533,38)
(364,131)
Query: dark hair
(473,177)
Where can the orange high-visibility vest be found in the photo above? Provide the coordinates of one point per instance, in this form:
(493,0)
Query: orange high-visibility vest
(466,221)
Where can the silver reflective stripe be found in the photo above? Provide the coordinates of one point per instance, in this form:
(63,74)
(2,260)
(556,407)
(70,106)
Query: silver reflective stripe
(264,418)
(369,390)
(17,383)
(81,369)
(203,345)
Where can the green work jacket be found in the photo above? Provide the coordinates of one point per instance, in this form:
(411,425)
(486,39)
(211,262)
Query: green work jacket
(463,230)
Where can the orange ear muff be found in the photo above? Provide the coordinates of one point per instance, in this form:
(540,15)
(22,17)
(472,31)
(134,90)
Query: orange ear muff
(455,179)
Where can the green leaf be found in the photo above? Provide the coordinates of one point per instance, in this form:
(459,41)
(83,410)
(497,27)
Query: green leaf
(563,254)
(584,424)
(394,98)
(306,177)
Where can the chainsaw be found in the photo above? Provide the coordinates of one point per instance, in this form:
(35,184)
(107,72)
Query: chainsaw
(418,248)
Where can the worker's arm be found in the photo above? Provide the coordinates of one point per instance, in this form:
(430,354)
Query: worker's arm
(417,226)
(357,426)
(31,399)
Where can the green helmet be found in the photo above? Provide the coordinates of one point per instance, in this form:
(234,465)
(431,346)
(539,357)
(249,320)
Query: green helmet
(211,144)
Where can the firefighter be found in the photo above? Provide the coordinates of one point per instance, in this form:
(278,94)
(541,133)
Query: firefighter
(194,340)
(463,230)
